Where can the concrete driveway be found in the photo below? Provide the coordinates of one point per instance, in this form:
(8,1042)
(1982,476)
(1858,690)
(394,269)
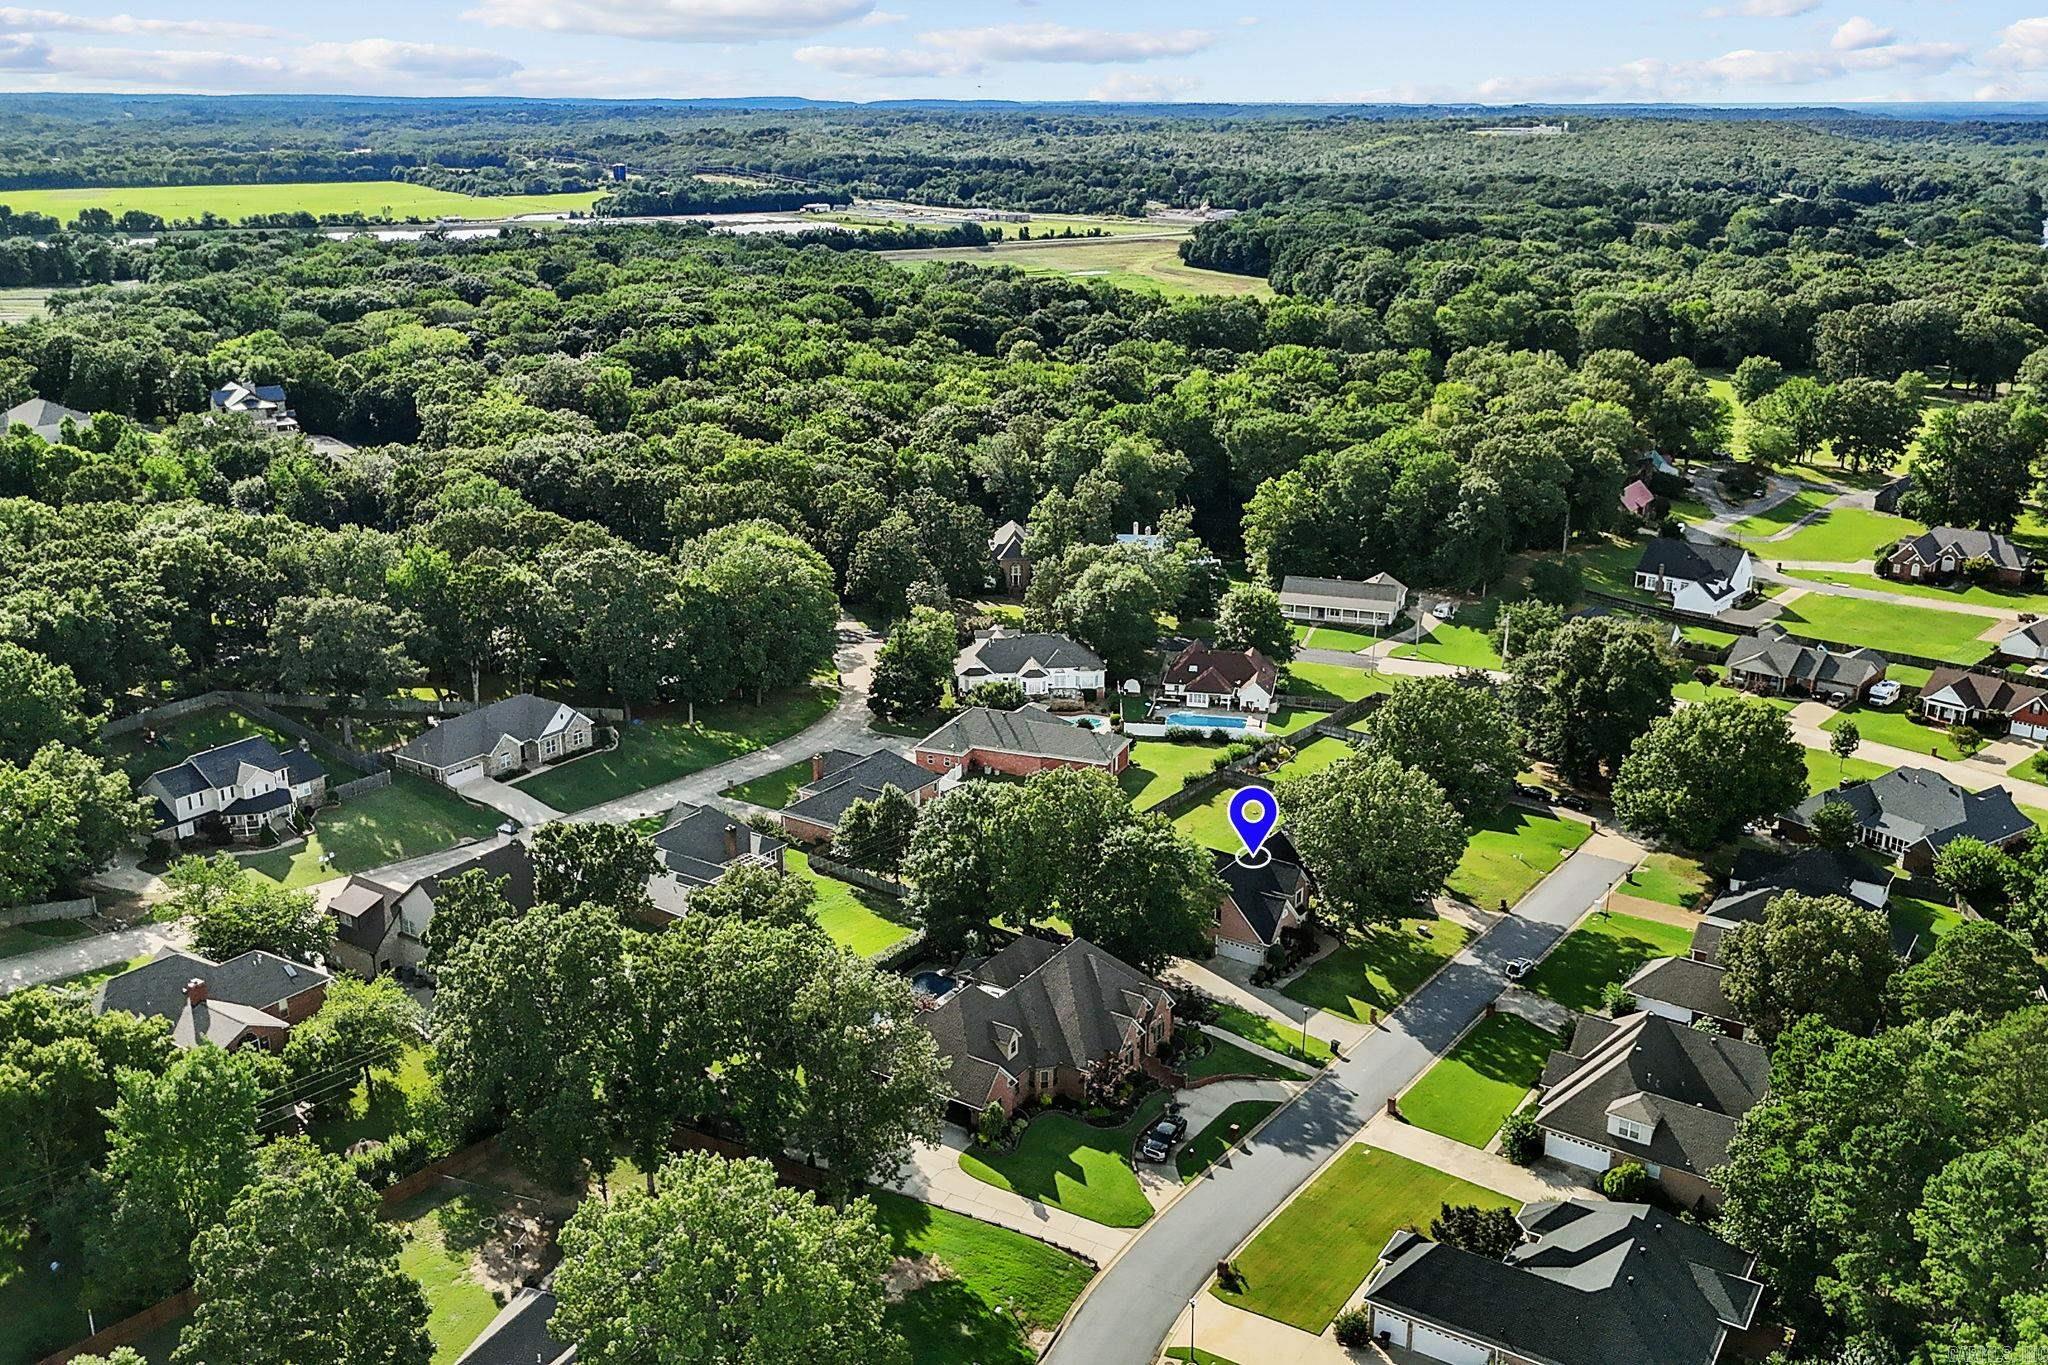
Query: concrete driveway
(528,810)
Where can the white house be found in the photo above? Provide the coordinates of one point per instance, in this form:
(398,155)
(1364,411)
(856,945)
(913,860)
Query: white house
(1373,602)
(507,736)
(1705,578)
(264,404)
(247,786)
(1043,665)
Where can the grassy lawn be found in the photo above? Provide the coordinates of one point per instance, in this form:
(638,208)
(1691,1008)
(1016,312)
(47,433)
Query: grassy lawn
(1610,565)
(400,1098)
(776,790)
(1462,646)
(1899,730)
(1607,947)
(1378,971)
(999,1285)
(1317,1250)
(443,1237)
(1209,824)
(1334,637)
(1196,1355)
(1313,757)
(1979,596)
(1151,266)
(1199,1153)
(1270,1034)
(1803,503)
(858,920)
(1512,852)
(1227,1059)
(2033,768)
(1843,536)
(1074,1166)
(194,734)
(1921,923)
(652,752)
(1339,681)
(1825,772)
(1287,720)
(410,817)
(372,198)
(1159,769)
(1668,879)
(27,938)
(1888,627)
(1694,691)
(1469,1093)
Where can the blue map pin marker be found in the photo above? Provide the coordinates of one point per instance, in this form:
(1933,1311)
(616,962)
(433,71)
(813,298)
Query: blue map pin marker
(1254,813)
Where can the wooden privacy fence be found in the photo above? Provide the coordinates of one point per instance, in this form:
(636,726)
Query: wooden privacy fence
(15,916)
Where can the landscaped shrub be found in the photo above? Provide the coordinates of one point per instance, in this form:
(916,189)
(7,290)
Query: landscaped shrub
(1967,739)
(1520,1140)
(1626,1183)
(1616,1000)
(1354,1328)
(992,1126)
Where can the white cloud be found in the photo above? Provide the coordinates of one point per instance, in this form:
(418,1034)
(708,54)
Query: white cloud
(383,56)
(884,61)
(1763,9)
(1859,33)
(2021,47)
(880,17)
(1652,78)
(1131,87)
(376,65)
(14,20)
(1059,43)
(678,21)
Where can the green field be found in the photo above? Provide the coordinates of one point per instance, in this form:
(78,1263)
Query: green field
(1467,1095)
(1786,514)
(1976,596)
(1378,971)
(1304,1264)
(1150,264)
(777,789)
(1899,730)
(410,817)
(998,1286)
(1228,1059)
(1842,536)
(860,921)
(1825,772)
(1073,1165)
(1607,947)
(445,1238)
(1921,923)
(651,752)
(1667,878)
(1199,1153)
(1334,637)
(1339,681)
(1512,852)
(1461,646)
(1270,1034)
(388,199)
(1159,768)
(1888,627)
(193,734)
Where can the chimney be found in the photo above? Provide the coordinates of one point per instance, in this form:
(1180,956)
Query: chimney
(732,842)
(817,767)
(195,991)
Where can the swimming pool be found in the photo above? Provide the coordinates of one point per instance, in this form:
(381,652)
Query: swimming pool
(1196,720)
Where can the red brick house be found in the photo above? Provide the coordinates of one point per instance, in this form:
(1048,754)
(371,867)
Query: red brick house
(1042,1018)
(840,778)
(1019,743)
(1941,553)
(1259,904)
(249,1001)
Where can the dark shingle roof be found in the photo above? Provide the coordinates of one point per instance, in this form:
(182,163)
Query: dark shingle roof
(1261,893)
(693,845)
(1694,561)
(1968,543)
(1685,983)
(219,767)
(1775,654)
(855,777)
(1030,730)
(1013,654)
(277,798)
(239,992)
(1690,1086)
(475,733)
(1598,1284)
(1067,1005)
(519,1335)
(1981,691)
(510,862)
(1913,804)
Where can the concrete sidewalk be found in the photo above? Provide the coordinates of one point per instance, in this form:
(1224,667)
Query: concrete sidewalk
(933,1175)
(1488,1170)
(1234,987)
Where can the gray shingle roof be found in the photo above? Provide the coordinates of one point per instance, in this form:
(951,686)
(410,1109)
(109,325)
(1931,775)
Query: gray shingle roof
(1012,654)
(1913,804)
(510,865)
(44,418)
(475,733)
(1067,1005)
(1685,983)
(1693,1086)
(1999,695)
(1775,654)
(1711,563)
(693,845)
(1968,543)
(1030,730)
(1379,590)
(1597,1284)
(855,777)
(1261,893)
(240,992)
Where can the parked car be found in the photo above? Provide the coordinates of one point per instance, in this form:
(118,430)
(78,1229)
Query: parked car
(1886,692)
(1519,968)
(1531,791)
(508,828)
(1444,611)
(1160,1138)
(1573,801)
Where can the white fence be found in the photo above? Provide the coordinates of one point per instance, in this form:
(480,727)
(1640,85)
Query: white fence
(48,910)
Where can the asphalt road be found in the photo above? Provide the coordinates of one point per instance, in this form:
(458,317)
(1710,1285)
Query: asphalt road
(1134,1305)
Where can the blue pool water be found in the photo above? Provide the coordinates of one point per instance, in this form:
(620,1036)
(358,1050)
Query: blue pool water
(935,984)
(1195,720)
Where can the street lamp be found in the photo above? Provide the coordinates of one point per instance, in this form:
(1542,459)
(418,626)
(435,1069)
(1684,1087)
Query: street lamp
(1191,1327)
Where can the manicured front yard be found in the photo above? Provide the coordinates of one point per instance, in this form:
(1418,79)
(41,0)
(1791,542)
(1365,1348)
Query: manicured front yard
(1888,627)
(1825,772)
(1270,1034)
(1899,730)
(1378,971)
(1842,536)
(1905,587)
(1461,646)
(1607,947)
(1339,681)
(26,938)
(1228,1059)
(860,921)
(1468,1094)
(1334,637)
(776,789)
(1073,1165)
(1667,878)
(1512,852)
(1159,769)
(651,752)
(998,1285)
(1199,1153)
(1306,1262)
(410,817)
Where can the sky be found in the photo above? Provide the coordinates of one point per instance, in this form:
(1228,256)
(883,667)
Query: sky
(1494,51)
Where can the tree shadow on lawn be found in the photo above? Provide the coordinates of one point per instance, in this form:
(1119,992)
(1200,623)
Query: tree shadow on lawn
(1587,960)
(1506,1048)
(1342,981)
(945,1322)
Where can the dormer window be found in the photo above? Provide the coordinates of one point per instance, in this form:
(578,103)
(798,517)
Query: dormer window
(1628,1130)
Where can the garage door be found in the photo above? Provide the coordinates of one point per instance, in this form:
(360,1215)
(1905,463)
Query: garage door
(468,772)
(1443,1346)
(1581,1154)
(1238,952)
